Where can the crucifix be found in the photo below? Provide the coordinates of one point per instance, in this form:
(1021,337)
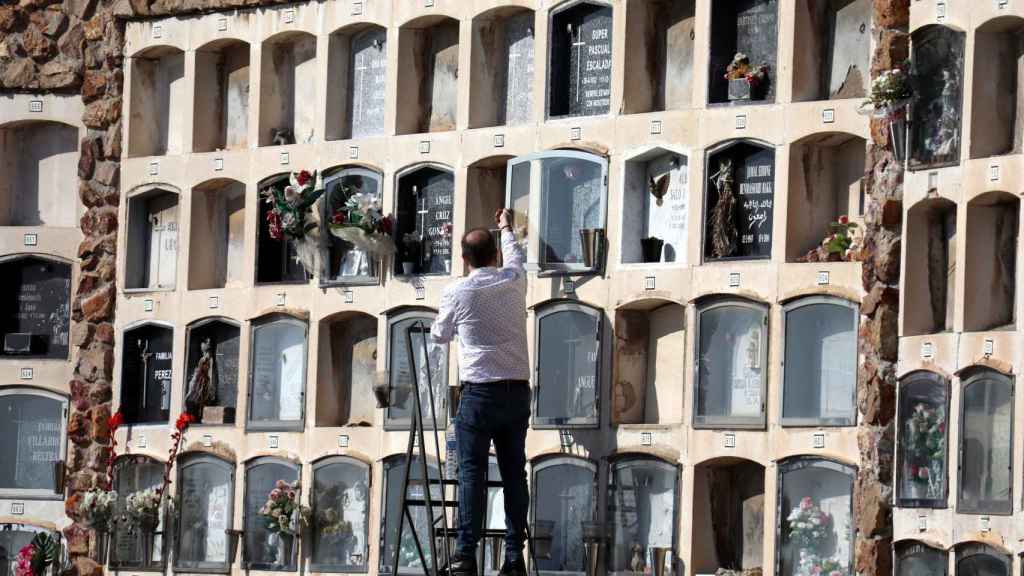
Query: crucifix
(422,209)
(578,45)
(358,95)
(145,354)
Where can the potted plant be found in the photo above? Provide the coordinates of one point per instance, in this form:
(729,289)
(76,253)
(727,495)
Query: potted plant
(746,82)
(284,516)
(652,248)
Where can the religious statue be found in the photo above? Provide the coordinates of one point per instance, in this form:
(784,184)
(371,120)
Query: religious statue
(202,386)
(637,563)
(723,225)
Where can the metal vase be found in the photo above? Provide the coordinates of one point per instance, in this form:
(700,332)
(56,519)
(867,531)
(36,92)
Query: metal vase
(101,546)
(658,559)
(592,535)
(591,242)
(651,248)
(898,135)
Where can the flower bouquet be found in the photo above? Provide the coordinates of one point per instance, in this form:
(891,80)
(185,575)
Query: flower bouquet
(282,509)
(97,509)
(143,509)
(330,522)
(926,442)
(810,527)
(744,79)
(891,92)
(813,565)
(359,220)
(34,558)
(291,215)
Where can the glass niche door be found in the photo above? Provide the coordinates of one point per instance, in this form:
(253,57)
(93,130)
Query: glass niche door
(642,496)
(564,497)
(568,366)
(341,261)
(557,198)
(277,374)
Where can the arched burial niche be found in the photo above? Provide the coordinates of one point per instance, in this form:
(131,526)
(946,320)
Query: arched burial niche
(915,558)
(357,61)
(211,379)
(264,549)
(564,497)
(991,262)
(501,87)
(277,373)
(728,516)
(486,186)
(277,260)
(977,559)
(391,510)
(738,201)
(151,240)
(428,75)
(997,108)
(134,473)
(819,381)
(147,362)
(40,184)
(811,487)
(217,235)
(649,369)
(287,89)
(922,418)
(568,365)
(826,182)
(656,196)
(347,370)
(832,49)
(580,59)
(221,117)
(340,515)
(206,512)
(406,333)
(157,101)
(659,55)
(342,263)
(937,54)
(422,220)
(930,277)
(33,425)
(748,27)
(986,443)
(642,496)
(35,307)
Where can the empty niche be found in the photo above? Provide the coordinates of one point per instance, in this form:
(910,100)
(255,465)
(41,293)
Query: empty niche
(35,309)
(422,221)
(937,54)
(930,267)
(826,182)
(428,75)
(146,369)
(913,558)
(357,61)
(501,90)
(39,162)
(747,28)
(288,94)
(580,67)
(642,496)
(221,96)
(276,258)
(211,383)
(485,191)
(152,240)
(217,235)
(347,371)
(832,49)
(342,262)
(728,517)
(657,192)
(991,261)
(659,55)
(997,109)
(814,489)
(739,201)
(157,102)
(648,369)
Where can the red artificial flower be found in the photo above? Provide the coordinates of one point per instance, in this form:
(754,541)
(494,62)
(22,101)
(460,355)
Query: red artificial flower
(844,220)
(339,217)
(303,177)
(386,224)
(184,420)
(274,225)
(115,421)
(942,427)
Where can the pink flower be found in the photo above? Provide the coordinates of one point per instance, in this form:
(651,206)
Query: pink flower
(23,563)
(806,503)
(922,472)
(275,494)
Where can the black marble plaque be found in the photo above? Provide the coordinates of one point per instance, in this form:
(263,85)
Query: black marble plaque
(369,82)
(146,366)
(425,211)
(581,61)
(938,62)
(753,183)
(35,303)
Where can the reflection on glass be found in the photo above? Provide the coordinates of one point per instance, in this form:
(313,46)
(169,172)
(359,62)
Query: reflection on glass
(731,361)
(821,365)
(206,495)
(916,559)
(342,260)
(986,444)
(266,549)
(563,498)
(341,503)
(815,511)
(519,197)
(278,371)
(572,193)
(408,558)
(642,496)
(400,409)
(33,427)
(922,441)
(981,560)
(134,474)
(568,352)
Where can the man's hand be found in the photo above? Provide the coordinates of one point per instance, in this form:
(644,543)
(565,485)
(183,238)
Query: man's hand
(503,218)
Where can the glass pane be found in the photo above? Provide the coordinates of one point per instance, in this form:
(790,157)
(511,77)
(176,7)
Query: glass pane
(642,499)
(821,364)
(276,260)
(34,308)
(567,361)
(206,496)
(573,194)
(982,564)
(519,197)
(126,545)
(408,558)
(938,58)
(343,260)
(817,526)
(266,549)
(423,214)
(731,372)
(212,377)
(12,541)
(920,560)
(922,440)
(146,368)
(564,498)
(402,403)
(33,427)
(341,504)
(987,446)
(279,372)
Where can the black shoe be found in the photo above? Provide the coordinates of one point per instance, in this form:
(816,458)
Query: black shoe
(459,567)
(515,567)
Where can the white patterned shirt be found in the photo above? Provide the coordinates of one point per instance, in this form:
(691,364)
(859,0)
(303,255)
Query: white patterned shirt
(487,310)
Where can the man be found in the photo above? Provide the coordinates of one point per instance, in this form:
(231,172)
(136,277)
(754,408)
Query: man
(487,310)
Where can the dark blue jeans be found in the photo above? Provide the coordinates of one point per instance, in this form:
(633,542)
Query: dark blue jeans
(498,412)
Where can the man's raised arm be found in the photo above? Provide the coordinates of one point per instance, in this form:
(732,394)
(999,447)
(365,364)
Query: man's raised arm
(511,251)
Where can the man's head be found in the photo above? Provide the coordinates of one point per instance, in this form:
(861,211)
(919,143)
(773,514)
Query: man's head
(478,250)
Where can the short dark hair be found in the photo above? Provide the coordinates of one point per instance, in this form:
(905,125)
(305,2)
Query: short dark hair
(478,248)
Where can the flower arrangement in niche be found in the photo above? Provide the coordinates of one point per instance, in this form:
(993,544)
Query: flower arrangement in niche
(35,557)
(358,219)
(97,508)
(745,80)
(839,245)
(143,508)
(813,565)
(810,527)
(891,91)
(282,510)
(291,216)
(926,446)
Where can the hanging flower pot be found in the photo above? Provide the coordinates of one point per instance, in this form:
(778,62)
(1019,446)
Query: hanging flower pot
(651,248)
